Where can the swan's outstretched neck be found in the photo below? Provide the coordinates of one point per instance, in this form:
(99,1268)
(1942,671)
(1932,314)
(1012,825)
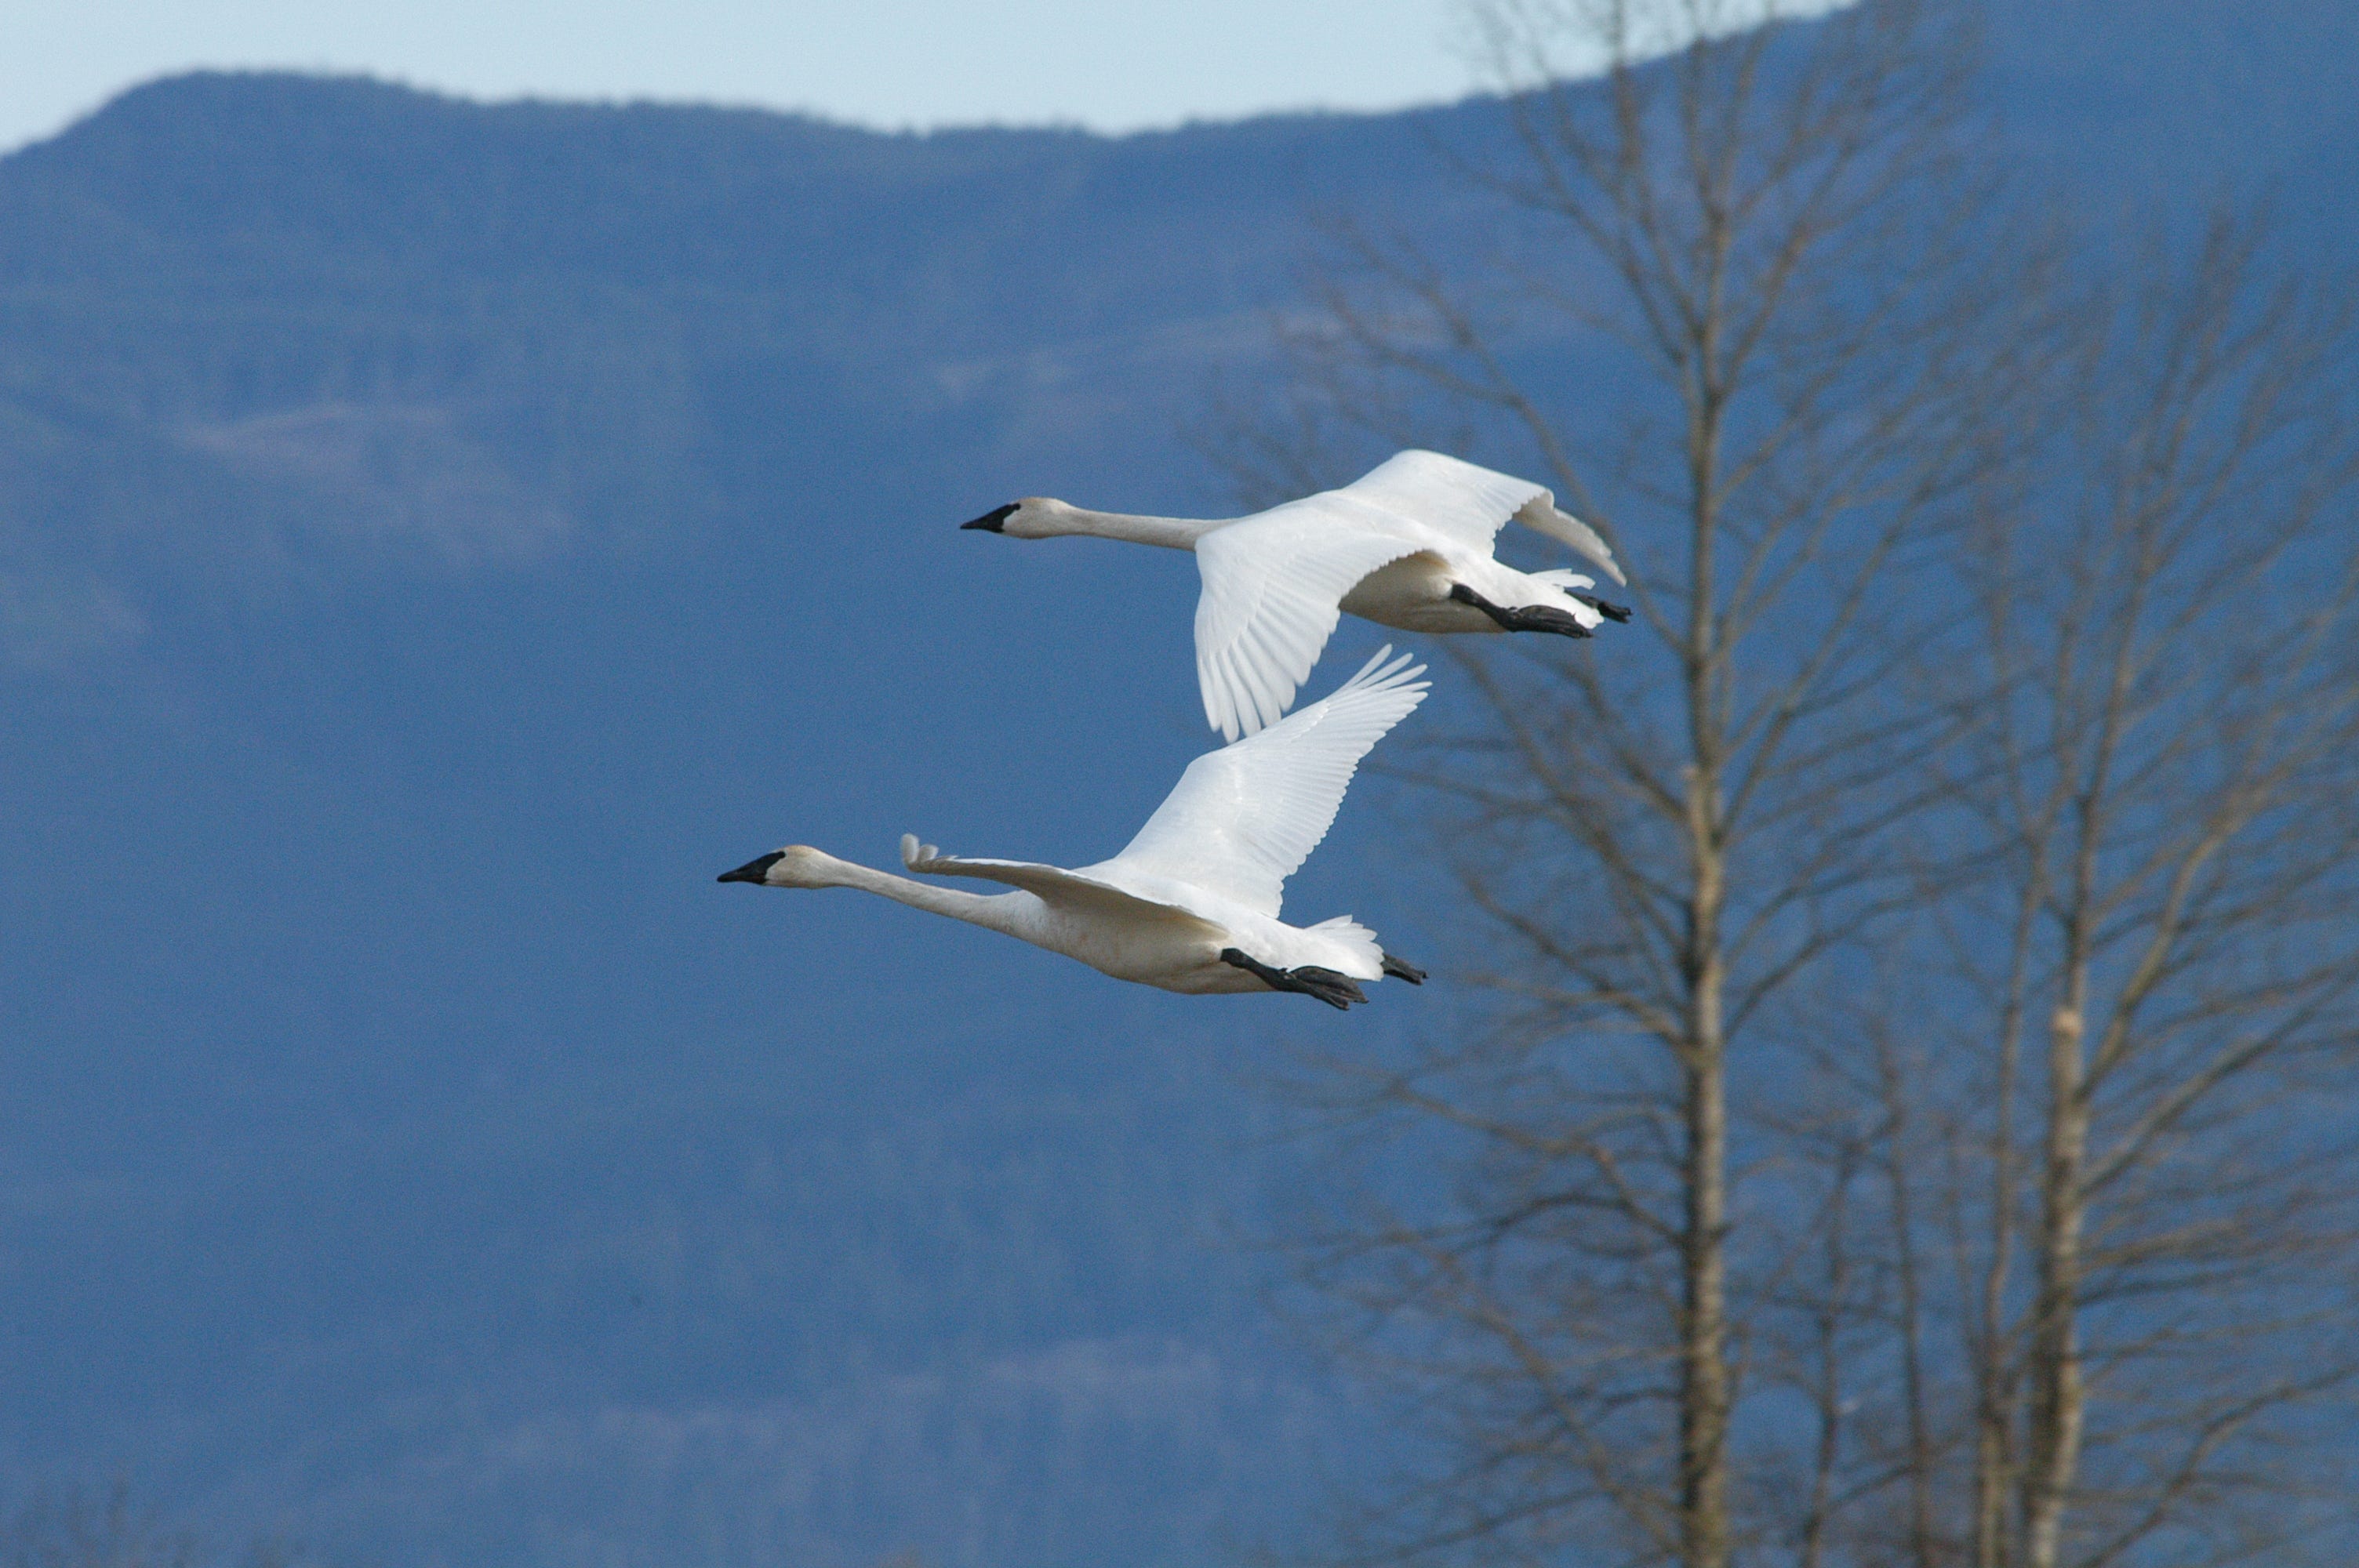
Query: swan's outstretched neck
(979,909)
(1171,533)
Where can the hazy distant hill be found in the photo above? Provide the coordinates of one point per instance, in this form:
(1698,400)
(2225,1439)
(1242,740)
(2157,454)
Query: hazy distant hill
(434,540)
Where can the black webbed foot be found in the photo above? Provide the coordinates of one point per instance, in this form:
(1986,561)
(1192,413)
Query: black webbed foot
(1464,595)
(1336,990)
(1617,612)
(1547,618)
(1530,617)
(1402,970)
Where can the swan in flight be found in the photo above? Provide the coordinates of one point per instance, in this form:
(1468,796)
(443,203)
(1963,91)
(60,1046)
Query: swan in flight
(1406,544)
(1190,904)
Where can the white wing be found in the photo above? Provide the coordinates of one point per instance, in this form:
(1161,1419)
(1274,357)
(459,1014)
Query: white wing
(1244,817)
(1052,884)
(1471,504)
(1272,585)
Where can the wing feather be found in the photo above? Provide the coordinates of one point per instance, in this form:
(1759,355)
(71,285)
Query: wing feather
(1273,586)
(1052,884)
(1274,583)
(1244,818)
(1471,503)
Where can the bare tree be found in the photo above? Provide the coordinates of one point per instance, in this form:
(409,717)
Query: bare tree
(2162,794)
(1755,251)
(1906,1129)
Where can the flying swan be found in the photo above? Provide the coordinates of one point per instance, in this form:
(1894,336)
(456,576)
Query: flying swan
(1406,544)
(1190,904)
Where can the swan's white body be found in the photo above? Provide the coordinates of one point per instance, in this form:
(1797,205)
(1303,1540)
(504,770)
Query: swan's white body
(1204,876)
(1390,546)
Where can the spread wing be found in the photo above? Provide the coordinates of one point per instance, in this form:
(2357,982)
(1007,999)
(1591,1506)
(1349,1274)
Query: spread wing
(1053,884)
(1471,504)
(1274,583)
(1242,818)
(1272,586)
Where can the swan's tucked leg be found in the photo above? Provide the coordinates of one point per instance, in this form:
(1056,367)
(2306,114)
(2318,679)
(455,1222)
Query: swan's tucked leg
(1402,970)
(1529,618)
(1336,990)
(1617,612)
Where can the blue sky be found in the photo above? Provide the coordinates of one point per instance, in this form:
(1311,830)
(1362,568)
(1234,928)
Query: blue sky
(882,62)
(886,62)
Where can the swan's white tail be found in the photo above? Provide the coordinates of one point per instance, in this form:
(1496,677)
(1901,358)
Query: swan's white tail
(1344,928)
(1563,577)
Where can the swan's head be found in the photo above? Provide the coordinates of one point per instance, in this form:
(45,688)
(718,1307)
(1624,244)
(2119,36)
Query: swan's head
(1034,517)
(796,866)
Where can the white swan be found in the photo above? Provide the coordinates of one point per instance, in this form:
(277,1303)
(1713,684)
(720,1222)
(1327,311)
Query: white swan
(1406,544)
(1190,904)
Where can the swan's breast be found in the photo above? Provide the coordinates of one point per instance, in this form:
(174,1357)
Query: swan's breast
(1174,955)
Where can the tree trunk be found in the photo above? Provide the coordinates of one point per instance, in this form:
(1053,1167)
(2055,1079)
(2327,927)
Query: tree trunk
(2057,1395)
(1705,1398)
(1996,1389)
(1704,1395)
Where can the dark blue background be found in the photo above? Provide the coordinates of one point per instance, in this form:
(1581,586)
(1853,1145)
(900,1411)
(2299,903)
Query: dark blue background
(434,540)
